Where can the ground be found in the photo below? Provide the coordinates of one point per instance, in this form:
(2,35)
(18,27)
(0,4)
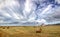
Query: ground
(30,31)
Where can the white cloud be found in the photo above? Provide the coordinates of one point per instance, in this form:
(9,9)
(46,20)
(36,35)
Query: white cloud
(28,8)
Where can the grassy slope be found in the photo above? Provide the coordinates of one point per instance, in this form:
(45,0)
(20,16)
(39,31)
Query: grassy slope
(47,31)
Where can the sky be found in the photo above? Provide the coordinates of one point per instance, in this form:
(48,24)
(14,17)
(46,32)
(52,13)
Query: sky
(29,12)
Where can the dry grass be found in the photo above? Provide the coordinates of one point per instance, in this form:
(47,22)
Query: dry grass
(30,31)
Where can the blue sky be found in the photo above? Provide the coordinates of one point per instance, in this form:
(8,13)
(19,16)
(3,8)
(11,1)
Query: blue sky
(24,11)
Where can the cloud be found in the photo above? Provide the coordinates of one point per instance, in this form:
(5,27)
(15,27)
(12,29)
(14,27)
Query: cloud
(30,11)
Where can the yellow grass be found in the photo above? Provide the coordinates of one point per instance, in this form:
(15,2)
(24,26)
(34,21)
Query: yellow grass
(30,31)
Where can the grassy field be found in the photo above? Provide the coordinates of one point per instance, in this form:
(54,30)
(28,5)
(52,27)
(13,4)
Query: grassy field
(30,31)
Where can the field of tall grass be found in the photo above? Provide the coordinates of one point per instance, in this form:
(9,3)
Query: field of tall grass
(30,31)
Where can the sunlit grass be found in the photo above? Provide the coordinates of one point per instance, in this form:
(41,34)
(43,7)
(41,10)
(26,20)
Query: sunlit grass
(30,31)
